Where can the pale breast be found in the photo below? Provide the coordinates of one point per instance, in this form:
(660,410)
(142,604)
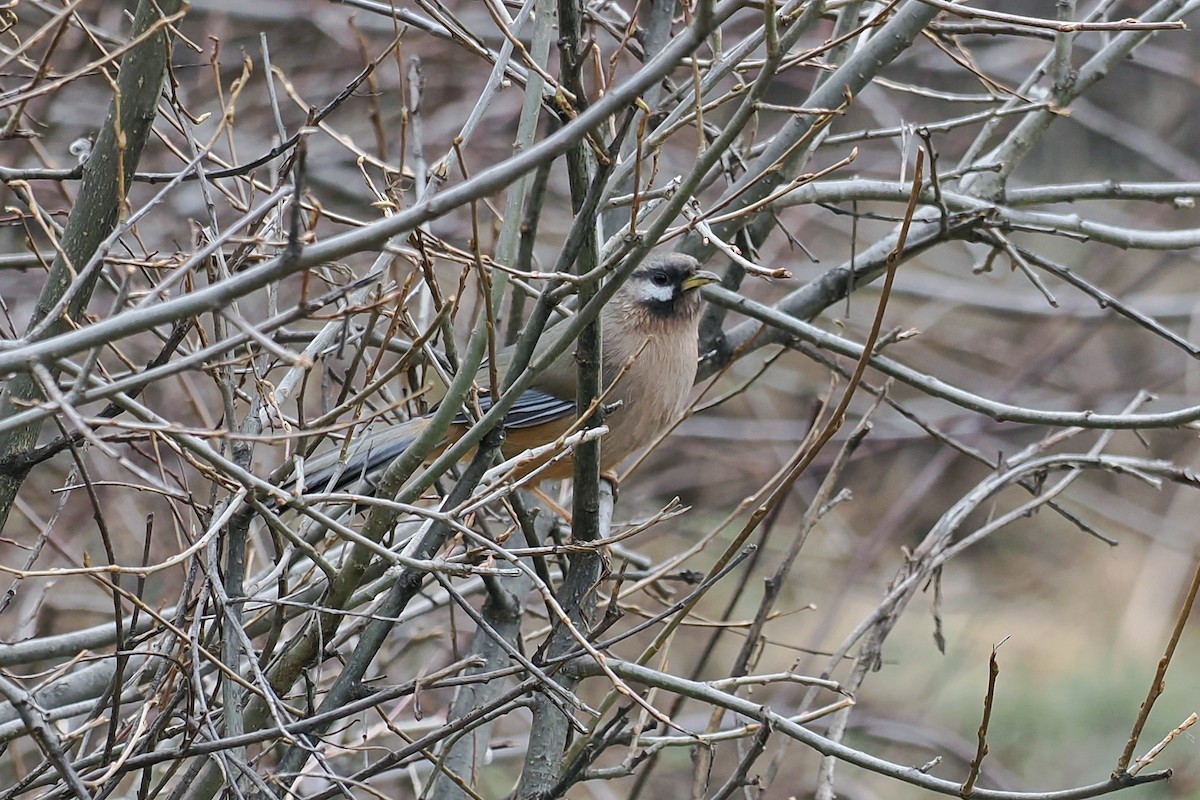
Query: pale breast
(652,390)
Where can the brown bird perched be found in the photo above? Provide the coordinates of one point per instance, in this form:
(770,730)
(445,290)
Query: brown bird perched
(649,347)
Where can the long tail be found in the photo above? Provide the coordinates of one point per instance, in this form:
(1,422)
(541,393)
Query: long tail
(364,465)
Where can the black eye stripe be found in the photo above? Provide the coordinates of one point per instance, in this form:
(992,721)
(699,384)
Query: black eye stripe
(658,277)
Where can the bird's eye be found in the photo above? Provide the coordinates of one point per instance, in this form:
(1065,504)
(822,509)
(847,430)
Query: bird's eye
(660,279)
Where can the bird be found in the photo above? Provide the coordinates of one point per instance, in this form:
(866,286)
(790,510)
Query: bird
(649,347)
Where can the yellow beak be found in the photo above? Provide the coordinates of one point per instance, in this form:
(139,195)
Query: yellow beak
(702,278)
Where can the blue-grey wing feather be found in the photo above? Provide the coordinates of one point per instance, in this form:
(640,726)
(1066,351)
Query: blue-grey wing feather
(532,408)
(372,454)
(363,466)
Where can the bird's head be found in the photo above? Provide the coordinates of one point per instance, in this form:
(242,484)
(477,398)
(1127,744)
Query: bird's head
(663,289)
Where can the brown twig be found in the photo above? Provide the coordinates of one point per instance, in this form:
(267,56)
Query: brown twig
(981,750)
(1159,682)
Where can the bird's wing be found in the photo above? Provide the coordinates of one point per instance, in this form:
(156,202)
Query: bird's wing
(364,465)
(552,396)
(532,408)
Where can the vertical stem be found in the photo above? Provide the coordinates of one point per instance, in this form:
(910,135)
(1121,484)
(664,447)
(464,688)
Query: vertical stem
(1064,75)
(106,176)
